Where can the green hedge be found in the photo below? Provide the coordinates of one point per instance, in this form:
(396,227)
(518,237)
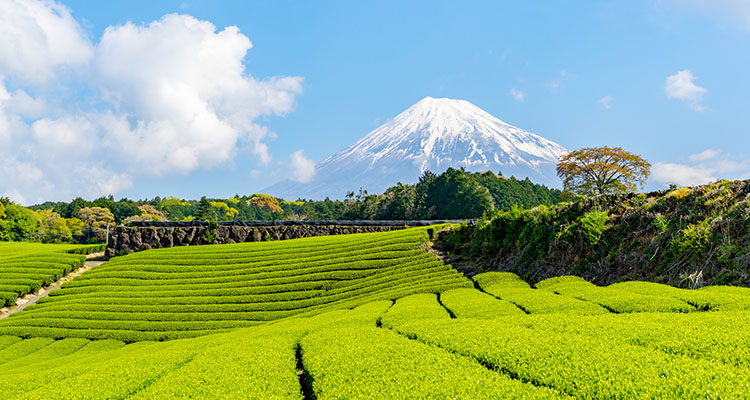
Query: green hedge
(615,300)
(410,369)
(472,303)
(582,366)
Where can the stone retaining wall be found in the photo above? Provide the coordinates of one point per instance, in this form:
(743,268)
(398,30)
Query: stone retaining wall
(128,239)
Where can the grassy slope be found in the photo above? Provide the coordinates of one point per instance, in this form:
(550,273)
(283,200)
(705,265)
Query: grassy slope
(25,267)
(565,337)
(414,349)
(661,237)
(191,291)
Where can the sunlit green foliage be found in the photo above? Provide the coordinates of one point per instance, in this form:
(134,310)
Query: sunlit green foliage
(411,349)
(398,368)
(599,365)
(190,291)
(616,300)
(602,170)
(416,306)
(452,194)
(661,236)
(258,363)
(508,286)
(471,303)
(496,278)
(26,267)
(593,224)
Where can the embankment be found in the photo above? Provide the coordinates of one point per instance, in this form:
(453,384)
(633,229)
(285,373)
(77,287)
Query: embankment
(152,235)
(680,237)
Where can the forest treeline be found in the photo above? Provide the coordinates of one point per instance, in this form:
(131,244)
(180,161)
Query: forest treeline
(454,194)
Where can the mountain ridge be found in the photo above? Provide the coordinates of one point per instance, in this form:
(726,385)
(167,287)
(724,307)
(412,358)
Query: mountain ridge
(433,134)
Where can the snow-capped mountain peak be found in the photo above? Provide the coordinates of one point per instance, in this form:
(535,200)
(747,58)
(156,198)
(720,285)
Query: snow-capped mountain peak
(433,134)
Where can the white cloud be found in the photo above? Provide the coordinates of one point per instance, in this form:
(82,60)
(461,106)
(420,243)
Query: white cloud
(302,169)
(680,86)
(704,168)
(518,95)
(65,136)
(732,10)
(184,98)
(38,38)
(167,97)
(606,101)
(704,155)
(52,159)
(680,174)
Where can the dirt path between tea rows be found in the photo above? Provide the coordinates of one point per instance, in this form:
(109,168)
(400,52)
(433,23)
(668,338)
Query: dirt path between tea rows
(92,260)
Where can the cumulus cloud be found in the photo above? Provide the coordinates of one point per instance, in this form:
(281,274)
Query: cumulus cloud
(302,168)
(681,174)
(704,155)
(518,95)
(731,10)
(680,86)
(39,39)
(51,158)
(166,97)
(704,167)
(606,102)
(184,97)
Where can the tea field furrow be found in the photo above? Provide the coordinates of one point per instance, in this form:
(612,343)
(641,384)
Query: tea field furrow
(387,366)
(508,286)
(580,366)
(26,267)
(472,303)
(168,291)
(615,300)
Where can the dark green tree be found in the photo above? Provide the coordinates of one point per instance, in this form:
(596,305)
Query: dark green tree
(205,212)
(457,194)
(398,202)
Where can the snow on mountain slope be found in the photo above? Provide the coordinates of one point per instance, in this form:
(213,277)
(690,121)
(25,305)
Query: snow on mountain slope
(433,134)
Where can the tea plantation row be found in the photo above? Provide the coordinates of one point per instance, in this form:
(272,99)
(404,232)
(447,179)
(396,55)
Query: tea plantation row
(191,291)
(411,349)
(26,267)
(370,316)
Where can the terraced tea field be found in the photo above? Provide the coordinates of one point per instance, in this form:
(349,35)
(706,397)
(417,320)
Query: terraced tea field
(25,267)
(369,316)
(190,291)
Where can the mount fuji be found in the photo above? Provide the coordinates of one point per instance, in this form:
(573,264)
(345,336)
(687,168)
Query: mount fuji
(433,134)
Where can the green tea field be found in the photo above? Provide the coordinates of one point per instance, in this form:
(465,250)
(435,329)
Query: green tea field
(367,316)
(25,267)
(190,291)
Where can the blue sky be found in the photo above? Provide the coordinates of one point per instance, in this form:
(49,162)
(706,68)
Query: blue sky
(666,79)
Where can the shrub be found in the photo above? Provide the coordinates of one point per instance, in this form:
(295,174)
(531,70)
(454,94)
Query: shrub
(679,194)
(695,237)
(661,223)
(593,224)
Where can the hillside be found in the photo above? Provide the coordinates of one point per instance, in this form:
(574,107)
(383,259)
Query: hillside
(373,316)
(191,291)
(686,237)
(26,267)
(509,341)
(432,135)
